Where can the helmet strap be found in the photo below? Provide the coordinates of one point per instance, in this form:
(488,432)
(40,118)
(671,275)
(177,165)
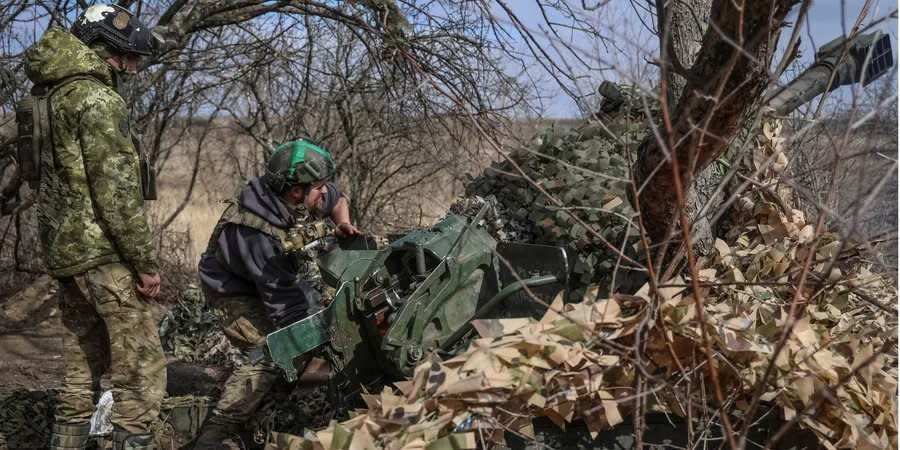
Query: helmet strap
(118,79)
(101,50)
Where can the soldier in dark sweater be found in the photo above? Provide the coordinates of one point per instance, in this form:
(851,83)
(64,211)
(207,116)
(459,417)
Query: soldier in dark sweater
(246,273)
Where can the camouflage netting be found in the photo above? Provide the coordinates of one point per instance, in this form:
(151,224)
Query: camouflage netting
(586,171)
(833,363)
(190,331)
(293,409)
(26,418)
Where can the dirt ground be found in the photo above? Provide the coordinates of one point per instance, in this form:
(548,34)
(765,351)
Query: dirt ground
(31,369)
(31,364)
(30,339)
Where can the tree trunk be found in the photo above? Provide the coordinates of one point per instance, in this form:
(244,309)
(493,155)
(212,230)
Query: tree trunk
(687,26)
(727,78)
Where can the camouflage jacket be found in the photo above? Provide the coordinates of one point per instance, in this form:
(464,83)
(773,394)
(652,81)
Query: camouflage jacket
(90,207)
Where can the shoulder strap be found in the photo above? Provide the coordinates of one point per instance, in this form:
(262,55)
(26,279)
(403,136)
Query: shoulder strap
(235,214)
(42,116)
(46,90)
(242,216)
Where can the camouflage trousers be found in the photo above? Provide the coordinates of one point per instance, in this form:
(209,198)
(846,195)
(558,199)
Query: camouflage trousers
(246,324)
(107,327)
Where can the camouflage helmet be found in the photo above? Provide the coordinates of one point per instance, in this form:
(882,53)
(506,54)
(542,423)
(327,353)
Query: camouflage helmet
(115,27)
(298,162)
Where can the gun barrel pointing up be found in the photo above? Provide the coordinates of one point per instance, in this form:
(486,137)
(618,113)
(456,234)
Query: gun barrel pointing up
(838,63)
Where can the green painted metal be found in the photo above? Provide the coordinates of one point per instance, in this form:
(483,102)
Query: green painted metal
(397,304)
(491,305)
(448,297)
(345,265)
(286,344)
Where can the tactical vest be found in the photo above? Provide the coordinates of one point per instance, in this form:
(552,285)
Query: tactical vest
(35,141)
(306,262)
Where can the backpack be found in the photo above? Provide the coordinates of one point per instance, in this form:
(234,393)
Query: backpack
(35,139)
(35,134)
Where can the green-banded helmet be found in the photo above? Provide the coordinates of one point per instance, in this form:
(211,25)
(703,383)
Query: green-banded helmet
(298,162)
(117,28)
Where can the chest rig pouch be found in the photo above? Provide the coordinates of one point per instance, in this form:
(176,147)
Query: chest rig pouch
(303,240)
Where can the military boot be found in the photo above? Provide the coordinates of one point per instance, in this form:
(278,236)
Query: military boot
(123,440)
(69,436)
(216,436)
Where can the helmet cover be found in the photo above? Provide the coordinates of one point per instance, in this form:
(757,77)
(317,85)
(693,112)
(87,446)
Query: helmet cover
(298,162)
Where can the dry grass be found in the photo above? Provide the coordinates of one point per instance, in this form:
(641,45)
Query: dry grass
(196,221)
(860,167)
(218,179)
(227,160)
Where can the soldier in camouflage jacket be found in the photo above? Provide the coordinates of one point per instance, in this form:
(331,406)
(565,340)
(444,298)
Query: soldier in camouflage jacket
(94,234)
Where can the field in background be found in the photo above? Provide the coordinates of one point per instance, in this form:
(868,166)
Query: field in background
(216,181)
(227,160)
(858,170)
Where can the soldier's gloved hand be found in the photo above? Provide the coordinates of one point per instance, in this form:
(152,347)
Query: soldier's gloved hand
(345,229)
(148,284)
